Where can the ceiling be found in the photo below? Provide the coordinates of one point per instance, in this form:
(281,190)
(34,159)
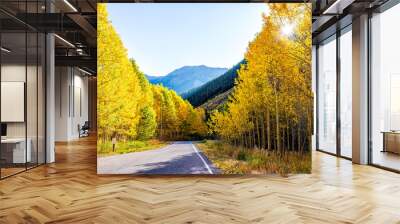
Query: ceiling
(73,21)
(332,15)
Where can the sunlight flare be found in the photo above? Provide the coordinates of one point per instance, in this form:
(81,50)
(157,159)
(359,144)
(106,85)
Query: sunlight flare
(287,29)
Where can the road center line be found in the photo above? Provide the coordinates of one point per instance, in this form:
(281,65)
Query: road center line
(202,159)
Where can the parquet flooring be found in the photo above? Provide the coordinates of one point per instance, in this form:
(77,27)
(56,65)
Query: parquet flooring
(69,191)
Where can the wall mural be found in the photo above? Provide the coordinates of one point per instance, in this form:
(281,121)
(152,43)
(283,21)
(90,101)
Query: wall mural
(204,88)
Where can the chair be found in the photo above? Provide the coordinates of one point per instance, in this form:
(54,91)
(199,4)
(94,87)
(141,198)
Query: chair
(84,130)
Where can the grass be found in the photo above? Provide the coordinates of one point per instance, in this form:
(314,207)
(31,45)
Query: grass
(106,149)
(237,160)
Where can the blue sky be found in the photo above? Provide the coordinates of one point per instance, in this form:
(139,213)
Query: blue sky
(164,37)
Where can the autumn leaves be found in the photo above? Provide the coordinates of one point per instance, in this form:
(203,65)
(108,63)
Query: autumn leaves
(129,107)
(271,105)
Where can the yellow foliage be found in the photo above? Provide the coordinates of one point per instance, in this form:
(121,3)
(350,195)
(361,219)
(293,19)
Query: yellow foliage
(124,91)
(271,105)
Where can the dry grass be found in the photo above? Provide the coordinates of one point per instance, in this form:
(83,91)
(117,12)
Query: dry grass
(237,160)
(105,148)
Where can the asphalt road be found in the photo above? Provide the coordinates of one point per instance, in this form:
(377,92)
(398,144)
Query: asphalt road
(177,158)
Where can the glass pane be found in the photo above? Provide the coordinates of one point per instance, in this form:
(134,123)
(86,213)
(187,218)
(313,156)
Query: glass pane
(327,96)
(13,86)
(386,89)
(314,90)
(41,98)
(31,98)
(346,94)
(22,89)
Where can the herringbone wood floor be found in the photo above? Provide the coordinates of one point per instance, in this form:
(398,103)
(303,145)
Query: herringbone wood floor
(69,191)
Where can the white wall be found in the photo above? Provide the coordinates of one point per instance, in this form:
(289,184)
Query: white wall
(71,103)
(62,82)
(80,110)
(12,73)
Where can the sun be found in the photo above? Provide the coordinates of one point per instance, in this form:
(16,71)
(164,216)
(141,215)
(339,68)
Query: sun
(287,29)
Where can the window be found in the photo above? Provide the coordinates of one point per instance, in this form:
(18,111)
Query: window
(22,89)
(346,93)
(385,89)
(327,96)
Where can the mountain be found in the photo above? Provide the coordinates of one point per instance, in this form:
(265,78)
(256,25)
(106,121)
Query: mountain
(211,89)
(188,77)
(150,78)
(217,102)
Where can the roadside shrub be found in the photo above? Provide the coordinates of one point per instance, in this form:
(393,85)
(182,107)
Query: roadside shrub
(237,160)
